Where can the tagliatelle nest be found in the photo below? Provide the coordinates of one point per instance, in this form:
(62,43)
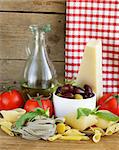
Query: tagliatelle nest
(40,128)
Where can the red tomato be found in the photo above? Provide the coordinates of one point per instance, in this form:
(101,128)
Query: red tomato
(109,102)
(11,100)
(47,104)
(31,104)
(44,103)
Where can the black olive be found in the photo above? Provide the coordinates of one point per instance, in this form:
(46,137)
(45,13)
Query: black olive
(91,95)
(67,88)
(59,89)
(68,95)
(88,89)
(78,90)
(85,96)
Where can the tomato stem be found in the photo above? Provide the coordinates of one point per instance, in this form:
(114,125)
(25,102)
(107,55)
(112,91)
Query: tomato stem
(116,96)
(42,97)
(29,96)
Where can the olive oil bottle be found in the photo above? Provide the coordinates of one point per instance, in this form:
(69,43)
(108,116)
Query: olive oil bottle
(39,72)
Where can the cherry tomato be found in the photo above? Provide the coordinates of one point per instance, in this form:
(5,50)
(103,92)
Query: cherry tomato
(44,103)
(31,104)
(11,100)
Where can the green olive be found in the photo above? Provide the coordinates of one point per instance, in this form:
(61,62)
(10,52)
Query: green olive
(78,96)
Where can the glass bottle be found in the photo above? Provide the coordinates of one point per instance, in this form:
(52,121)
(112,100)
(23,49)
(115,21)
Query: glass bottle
(39,72)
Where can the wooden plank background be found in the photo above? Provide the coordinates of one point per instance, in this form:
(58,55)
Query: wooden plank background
(57,6)
(15,18)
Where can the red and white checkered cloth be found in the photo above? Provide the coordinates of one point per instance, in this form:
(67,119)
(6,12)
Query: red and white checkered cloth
(93,19)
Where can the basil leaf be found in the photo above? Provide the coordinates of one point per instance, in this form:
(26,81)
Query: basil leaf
(107,115)
(104,114)
(30,116)
(42,112)
(83,112)
(26,117)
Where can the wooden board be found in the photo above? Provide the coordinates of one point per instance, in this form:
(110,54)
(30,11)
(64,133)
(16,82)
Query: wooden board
(33,5)
(15,34)
(15,18)
(13,69)
(16,143)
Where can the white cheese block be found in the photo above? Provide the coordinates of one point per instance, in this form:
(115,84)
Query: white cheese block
(90,71)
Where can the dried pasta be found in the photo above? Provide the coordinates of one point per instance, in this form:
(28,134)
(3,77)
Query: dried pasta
(67,127)
(102,123)
(75,138)
(6,124)
(82,123)
(12,115)
(6,130)
(55,137)
(97,136)
(112,129)
(99,129)
(73,132)
(1,120)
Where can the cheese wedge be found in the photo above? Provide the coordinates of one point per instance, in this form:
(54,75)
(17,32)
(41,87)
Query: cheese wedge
(90,71)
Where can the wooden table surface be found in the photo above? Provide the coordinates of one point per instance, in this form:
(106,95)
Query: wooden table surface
(16,143)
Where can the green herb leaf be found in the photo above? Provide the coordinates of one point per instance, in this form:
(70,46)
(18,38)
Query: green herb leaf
(104,114)
(107,115)
(116,96)
(42,112)
(71,81)
(30,116)
(53,89)
(83,112)
(26,117)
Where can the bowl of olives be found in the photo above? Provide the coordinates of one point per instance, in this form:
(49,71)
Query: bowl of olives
(68,98)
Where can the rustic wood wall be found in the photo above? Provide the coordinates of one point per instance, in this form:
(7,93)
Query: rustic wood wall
(15,18)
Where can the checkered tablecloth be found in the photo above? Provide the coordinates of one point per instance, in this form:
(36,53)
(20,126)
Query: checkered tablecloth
(93,19)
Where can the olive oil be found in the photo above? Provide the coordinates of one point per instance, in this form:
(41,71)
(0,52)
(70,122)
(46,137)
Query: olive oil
(33,92)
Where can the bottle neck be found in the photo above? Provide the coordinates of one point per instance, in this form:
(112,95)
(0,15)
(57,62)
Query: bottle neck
(39,42)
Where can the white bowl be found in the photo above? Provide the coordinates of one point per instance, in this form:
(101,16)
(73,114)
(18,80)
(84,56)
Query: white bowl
(64,106)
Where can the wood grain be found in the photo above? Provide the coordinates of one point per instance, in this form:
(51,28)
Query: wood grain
(13,69)
(16,143)
(15,18)
(57,6)
(15,34)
